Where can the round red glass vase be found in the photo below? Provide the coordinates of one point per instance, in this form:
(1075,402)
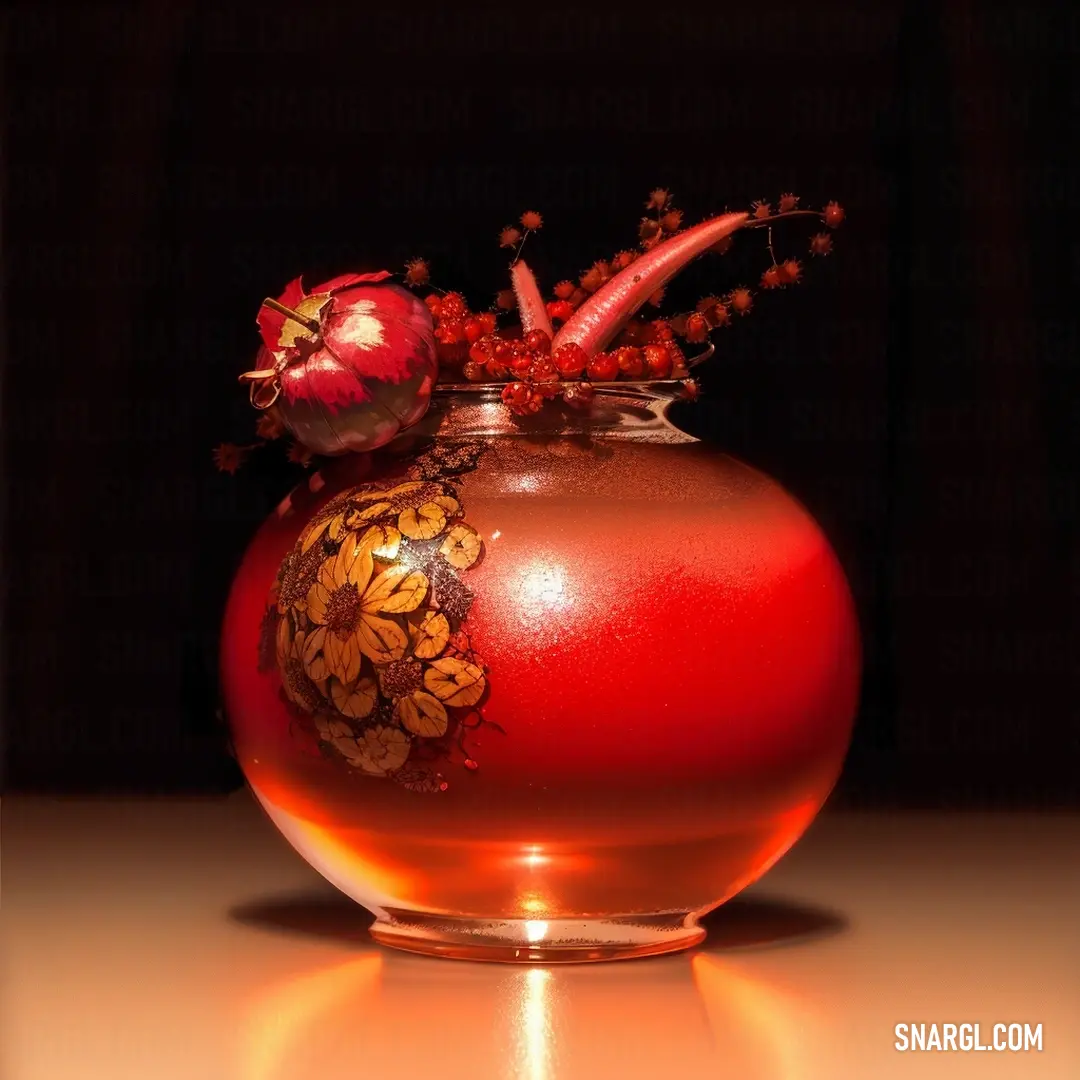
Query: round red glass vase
(541,691)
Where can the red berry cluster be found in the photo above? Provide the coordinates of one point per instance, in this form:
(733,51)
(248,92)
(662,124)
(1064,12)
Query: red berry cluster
(467,342)
(456,327)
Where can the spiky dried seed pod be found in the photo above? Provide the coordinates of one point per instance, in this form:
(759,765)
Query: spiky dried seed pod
(771,278)
(697,328)
(820,244)
(741,300)
(790,271)
(762,209)
(833,214)
(648,229)
(417,272)
(531,220)
(509,237)
(788,202)
(671,221)
(658,199)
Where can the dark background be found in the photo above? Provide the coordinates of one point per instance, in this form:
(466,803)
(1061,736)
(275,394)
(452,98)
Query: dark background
(168,165)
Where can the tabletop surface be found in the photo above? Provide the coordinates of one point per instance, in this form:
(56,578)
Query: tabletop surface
(169,938)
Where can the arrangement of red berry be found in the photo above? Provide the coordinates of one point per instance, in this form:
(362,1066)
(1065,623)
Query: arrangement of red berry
(349,363)
(586,334)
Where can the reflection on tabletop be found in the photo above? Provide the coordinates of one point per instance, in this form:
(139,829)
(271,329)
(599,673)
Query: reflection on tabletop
(381,1013)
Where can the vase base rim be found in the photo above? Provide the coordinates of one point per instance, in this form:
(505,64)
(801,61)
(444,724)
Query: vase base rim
(538,941)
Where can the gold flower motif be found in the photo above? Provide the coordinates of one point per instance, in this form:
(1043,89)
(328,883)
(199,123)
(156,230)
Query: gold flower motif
(366,622)
(349,603)
(377,750)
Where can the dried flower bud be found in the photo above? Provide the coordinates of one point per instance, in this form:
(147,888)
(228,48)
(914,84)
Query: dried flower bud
(788,202)
(762,209)
(531,220)
(658,199)
(509,237)
(228,457)
(741,300)
(564,290)
(833,214)
(648,229)
(718,315)
(771,278)
(697,329)
(820,244)
(417,272)
(671,221)
(790,271)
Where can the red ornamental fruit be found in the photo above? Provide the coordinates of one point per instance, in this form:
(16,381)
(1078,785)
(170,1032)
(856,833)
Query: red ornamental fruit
(542,370)
(560,310)
(570,361)
(450,331)
(579,394)
(434,305)
(657,362)
(454,306)
(631,361)
(475,372)
(474,330)
(349,363)
(481,352)
(522,399)
(538,341)
(603,367)
(496,369)
(697,329)
(521,363)
(488,320)
(564,290)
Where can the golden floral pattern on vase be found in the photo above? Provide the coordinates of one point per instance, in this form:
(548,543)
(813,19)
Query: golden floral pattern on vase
(366,627)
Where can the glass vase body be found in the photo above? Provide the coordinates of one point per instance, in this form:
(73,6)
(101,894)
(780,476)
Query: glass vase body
(670,663)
